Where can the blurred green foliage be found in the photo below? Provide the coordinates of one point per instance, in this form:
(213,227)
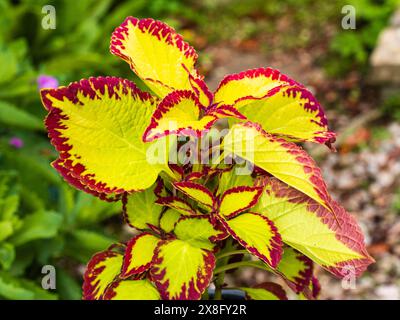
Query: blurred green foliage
(350,49)
(43,220)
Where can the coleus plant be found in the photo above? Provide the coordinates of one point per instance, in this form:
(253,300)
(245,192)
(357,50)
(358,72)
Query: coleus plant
(261,201)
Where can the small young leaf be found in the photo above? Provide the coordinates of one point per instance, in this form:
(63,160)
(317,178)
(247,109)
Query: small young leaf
(197,192)
(198,231)
(257,234)
(139,254)
(100,273)
(140,210)
(168,220)
(238,199)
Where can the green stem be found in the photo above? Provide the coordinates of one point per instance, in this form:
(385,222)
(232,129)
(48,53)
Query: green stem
(226,267)
(231,253)
(219,281)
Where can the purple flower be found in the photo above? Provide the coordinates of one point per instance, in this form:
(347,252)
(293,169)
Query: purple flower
(16,142)
(47,82)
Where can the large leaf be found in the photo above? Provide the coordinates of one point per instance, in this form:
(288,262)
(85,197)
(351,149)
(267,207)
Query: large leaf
(132,290)
(257,234)
(181,271)
(139,254)
(291,112)
(284,160)
(140,210)
(100,273)
(96,125)
(308,227)
(156,53)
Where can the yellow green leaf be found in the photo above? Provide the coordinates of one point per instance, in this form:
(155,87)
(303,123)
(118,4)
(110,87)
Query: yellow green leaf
(139,254)
(284,160)
(178,114)
(231,178)
(311,229)
(242,88)
(132,290)
(291,112)
(198,231)
(101,271)
(296,269)
(238,199)
(178,204)
(197,192)
(156,53)
(96,125)
(257,234)
(265,291)
(168,220)
(181,271)
(140,210)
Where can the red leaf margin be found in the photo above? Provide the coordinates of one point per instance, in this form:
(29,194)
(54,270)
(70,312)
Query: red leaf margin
(275,252)
(240,189)
(128,257)
(202,281)
(55,116)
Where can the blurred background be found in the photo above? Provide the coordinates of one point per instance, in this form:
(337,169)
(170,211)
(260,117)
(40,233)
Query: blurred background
(354,73)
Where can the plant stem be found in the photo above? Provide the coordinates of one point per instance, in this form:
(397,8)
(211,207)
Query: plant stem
(219,281)
(222,269)
(231,253)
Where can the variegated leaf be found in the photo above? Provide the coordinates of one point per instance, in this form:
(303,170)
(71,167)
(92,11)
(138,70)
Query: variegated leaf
(197,192)
(310,228)
(296,269)
(139,254)
(284,160)
(101,271)
(156,53)
(181,271)
(265,291)
(291,112)
(140,210)
(198,231)
(238,199)
(96,126)
(132,290)
(178,204)
(168,220)
(179,114)
(242,88)
(257,234)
